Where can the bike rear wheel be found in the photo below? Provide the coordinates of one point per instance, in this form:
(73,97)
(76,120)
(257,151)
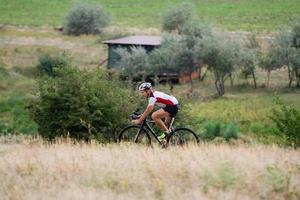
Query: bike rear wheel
(183,136)
(129,135)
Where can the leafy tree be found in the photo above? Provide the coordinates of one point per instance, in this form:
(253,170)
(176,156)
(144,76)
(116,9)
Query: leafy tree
(221,56)
(163,60)
(81,105)
(250,56)
(133,62)
(173,56)
(177,17)
(85,19)
(284,52)
(295,57)
(296,33)
(49,64)
(295,63)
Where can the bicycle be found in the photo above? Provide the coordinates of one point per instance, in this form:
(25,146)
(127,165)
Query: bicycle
(140,133)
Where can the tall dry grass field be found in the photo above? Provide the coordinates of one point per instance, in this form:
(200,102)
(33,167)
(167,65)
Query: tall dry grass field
(209,171)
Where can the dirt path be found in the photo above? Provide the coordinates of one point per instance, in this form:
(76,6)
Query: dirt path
(31,41)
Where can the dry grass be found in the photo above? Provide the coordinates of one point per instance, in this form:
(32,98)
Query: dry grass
(32,170)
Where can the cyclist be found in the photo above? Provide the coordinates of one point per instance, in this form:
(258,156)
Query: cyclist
(168,107)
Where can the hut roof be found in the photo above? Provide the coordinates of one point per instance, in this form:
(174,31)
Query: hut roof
(137,40)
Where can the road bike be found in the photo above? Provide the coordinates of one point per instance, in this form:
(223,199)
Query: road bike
(144,133)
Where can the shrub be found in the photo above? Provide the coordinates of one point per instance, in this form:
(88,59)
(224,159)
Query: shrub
(218,131)
(287,118)
(212,130)
(81,105)
(85,19)
(48,64)
(177,17)
(231,132)
(276,178)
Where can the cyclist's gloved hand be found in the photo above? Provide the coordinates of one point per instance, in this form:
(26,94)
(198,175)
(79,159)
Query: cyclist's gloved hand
(136,121)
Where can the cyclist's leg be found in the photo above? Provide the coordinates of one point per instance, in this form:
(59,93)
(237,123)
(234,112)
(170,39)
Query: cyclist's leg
(157,116)
(168,121)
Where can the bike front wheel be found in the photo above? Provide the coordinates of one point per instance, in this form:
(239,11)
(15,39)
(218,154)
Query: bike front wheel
(130,135)
(183,136)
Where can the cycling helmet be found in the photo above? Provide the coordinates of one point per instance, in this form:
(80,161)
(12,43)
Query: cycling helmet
(145,86)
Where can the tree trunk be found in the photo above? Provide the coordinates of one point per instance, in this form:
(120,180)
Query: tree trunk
(191,83)
(290,73)
(297,73)
(204,75)
(254,78)
(231,80)
(170,83)
(219,84)
(268,75)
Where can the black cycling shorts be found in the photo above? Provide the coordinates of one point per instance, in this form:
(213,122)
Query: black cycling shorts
(172,110)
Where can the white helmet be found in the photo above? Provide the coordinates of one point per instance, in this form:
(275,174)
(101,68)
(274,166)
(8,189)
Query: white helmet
(145,86)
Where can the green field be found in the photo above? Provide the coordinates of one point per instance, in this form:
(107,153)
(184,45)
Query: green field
(258,15)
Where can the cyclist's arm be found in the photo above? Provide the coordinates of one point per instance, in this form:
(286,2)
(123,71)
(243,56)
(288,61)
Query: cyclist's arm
(146,112)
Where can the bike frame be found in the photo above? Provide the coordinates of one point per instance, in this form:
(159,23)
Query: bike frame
(145,124)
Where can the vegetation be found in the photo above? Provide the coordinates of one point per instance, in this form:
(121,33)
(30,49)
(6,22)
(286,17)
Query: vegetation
(81,105)
(48,65)
(220,55)
(177,18)
(133,62)
(247,15)
(287,118)
(85,19)
(71,171)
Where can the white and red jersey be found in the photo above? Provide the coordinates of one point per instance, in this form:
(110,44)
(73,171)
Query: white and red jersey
(162,100)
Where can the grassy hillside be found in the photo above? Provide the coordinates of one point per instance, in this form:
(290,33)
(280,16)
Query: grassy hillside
(66,171)
(231,14)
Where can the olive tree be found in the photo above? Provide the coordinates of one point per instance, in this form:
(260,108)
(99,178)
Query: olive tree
(174,56)
(220,55)
(85,19)
(176,18)
(249,58)
(133,62)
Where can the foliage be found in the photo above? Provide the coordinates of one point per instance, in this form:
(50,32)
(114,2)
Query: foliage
(284,52)
(212,130)
(286,118)
(81,105)
(49,64)
(245,15)
(215,129)
(85,19)
(163,59)
(276,178)
(250,56)
(296,33)
(230,132)
(132,62)
(224,176)
(177,17)
(221,56)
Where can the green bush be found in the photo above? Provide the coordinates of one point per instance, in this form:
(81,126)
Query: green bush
(177,17)
(287,118)
(85,19)
(213,130)
(81,105)
(230,132)
(48,64)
